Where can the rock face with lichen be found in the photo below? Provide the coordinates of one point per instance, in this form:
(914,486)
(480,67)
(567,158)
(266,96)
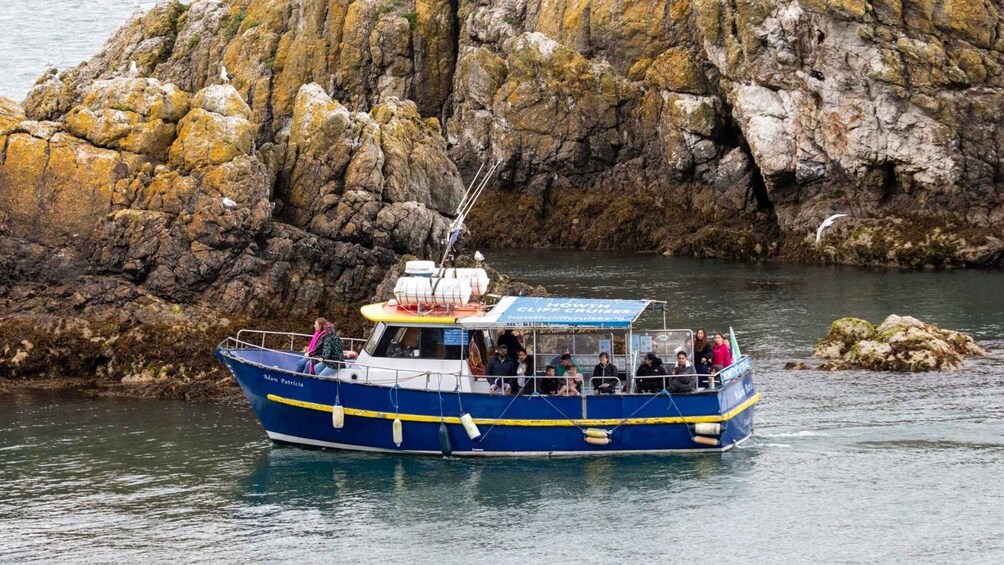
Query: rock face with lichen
(900,343)
(704,127)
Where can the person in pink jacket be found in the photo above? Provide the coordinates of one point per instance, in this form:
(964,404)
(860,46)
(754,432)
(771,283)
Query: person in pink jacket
(720,354)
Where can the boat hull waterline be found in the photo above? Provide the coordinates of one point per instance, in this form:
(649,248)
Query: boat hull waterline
(297,409)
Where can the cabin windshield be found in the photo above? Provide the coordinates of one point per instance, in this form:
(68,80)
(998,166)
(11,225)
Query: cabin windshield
(418,342)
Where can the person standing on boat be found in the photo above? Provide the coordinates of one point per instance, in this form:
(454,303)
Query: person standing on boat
(702,352)
(605,369)
(499,368)
(720,354)
(525,383)
(685,379)
(332,352)
(304,365)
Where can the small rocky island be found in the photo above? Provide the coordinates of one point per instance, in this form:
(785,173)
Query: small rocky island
(900,343)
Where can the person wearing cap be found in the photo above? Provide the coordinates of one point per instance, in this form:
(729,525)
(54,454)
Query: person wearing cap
(499,369)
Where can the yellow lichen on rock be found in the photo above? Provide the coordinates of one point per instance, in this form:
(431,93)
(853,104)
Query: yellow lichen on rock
(137,115)
(216,130)
(677,70)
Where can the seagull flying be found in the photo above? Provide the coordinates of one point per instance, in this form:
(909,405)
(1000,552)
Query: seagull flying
(223,74)
(826,223)
(478,256)
(133,69)
(229,203)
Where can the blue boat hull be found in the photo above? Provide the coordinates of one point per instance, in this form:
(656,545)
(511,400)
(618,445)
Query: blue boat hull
(297,409)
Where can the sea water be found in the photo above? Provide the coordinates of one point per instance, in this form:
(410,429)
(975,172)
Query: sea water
(850,467)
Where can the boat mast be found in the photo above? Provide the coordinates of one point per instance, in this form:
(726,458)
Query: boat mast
(471,196)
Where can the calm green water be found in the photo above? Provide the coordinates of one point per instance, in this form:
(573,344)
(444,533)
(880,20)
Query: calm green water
(845,467)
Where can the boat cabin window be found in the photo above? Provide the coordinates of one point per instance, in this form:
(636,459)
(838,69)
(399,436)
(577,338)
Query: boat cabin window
(419,343)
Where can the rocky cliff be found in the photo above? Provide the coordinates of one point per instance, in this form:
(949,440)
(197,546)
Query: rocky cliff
(707,127)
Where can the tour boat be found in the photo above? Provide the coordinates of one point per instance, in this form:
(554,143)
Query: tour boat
(417,384)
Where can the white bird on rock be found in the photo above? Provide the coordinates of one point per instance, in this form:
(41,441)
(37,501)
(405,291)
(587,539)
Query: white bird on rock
(223,74)
(229,203)
(133,69)
(826,223)
(478,256)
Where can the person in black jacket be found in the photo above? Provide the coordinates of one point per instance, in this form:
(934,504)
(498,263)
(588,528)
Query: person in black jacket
(499,368)
(605,369)
(651,366)
(509,340)
(702,352)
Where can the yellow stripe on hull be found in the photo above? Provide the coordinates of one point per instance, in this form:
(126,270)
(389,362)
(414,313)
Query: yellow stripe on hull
(377,313)
(526,423)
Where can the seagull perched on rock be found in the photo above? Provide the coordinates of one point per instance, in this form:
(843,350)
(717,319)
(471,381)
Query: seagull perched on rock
(478,256)
(826,223)
(133,69)
(223,74)
(229,203)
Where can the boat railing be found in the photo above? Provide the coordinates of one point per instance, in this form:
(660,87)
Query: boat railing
(400,375)
(354,344)
(403,375)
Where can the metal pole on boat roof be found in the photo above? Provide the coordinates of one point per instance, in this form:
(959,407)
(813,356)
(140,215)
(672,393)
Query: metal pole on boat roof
(629,370)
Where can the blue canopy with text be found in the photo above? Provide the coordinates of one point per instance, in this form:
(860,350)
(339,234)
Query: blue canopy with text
(560,312)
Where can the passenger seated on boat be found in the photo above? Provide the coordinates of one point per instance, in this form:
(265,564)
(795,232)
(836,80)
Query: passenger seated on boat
(500,367)
(605,369)
(331,352)
(550,383)
(524,381)
(720,353)
(304,365)
(565,362)
(571,381)
(556,360)
(651,366)
(686,381)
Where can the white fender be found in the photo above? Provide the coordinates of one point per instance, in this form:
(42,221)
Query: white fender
(337,416)
(470,427)
(708,429)
(398,432)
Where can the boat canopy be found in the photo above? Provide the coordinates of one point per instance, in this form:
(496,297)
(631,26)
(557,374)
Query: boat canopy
(579,313)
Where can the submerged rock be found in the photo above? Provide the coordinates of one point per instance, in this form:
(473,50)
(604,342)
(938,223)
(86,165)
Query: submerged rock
(900,343)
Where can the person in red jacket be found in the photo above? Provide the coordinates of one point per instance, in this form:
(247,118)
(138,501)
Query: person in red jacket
(720,354)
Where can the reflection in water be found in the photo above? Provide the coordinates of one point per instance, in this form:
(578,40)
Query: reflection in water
(316,478)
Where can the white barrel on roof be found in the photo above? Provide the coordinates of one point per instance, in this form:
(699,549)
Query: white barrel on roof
(420,268)
(410,291)
(477,278)
(452,292)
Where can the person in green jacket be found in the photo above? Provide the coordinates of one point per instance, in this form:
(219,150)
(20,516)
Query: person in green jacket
(332,352)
